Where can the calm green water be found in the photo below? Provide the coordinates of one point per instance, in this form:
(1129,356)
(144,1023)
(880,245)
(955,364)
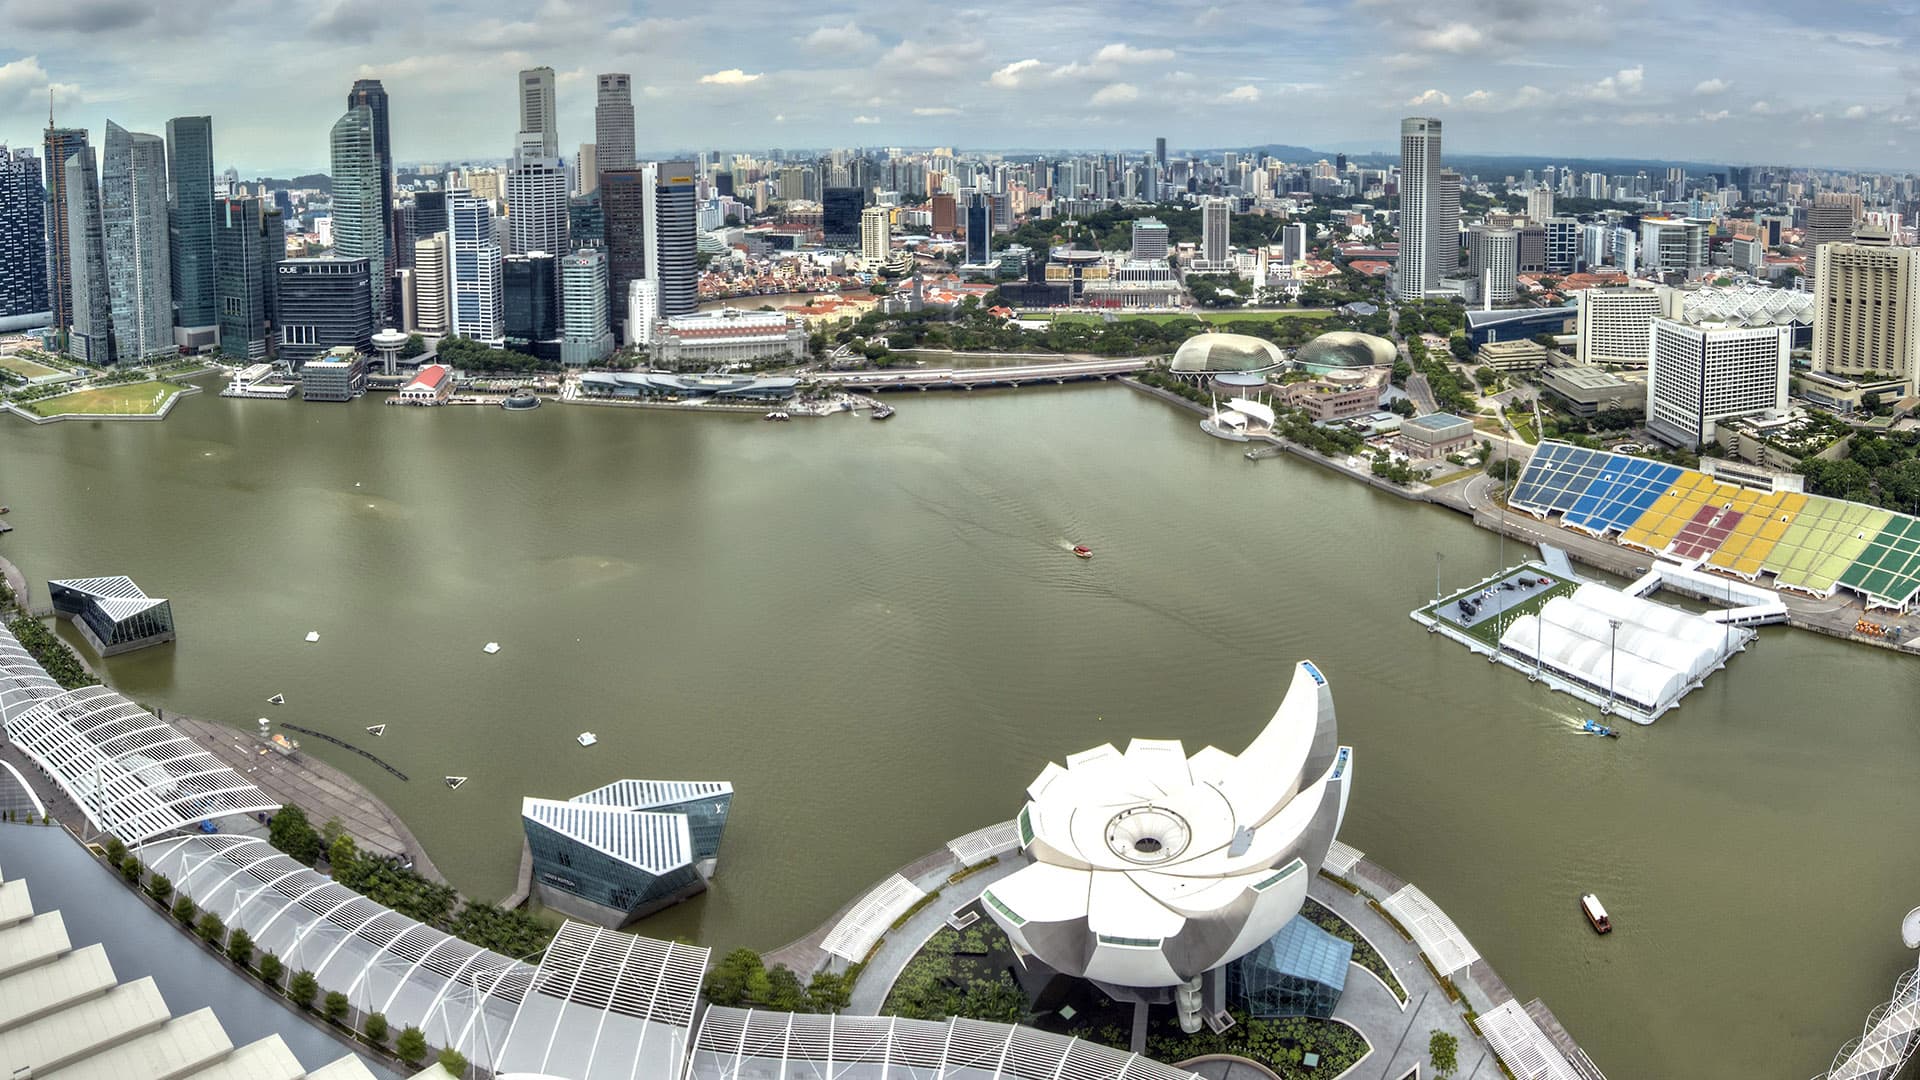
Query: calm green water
(876,631)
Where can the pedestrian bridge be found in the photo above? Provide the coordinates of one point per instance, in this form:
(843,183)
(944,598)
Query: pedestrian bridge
(969,378)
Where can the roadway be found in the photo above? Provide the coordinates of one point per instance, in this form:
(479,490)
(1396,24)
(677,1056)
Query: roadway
(967,378)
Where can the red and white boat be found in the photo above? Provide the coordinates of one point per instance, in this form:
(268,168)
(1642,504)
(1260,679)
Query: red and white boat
(1082,551)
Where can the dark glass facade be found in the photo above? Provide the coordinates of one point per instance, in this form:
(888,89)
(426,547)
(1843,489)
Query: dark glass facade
(248,240)
(530,291)
(623,213)
(320,304)
(23,237)
(190,219)
(840,214)
(584,221)
(571,867)
(108,635)
(979,227)
(60,144)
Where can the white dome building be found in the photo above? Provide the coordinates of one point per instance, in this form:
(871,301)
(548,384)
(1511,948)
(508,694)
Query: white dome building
(1148,869)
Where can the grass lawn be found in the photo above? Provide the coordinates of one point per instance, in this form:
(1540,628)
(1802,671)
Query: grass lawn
(122,399)
(20,365)
(1209,316)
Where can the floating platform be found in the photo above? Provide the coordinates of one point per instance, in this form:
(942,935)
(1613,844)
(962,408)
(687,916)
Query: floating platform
(491,647)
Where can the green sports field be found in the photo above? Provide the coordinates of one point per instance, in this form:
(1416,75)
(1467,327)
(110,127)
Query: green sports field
(122,399)
(20,365)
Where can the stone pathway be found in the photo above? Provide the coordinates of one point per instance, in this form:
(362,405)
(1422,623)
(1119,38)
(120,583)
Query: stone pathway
(899,946)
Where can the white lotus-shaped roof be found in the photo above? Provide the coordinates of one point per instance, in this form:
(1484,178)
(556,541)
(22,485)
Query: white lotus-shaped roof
(1152,849)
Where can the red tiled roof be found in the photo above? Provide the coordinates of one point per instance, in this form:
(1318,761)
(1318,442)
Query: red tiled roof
(429,377)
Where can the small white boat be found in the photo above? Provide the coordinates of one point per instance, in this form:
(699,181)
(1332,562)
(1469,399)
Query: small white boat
(313,635)
(491,648)
(377,729)
(586,738)
(454,781)
(277,699)
(1597,915)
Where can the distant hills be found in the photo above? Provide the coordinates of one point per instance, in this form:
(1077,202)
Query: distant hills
(320,181)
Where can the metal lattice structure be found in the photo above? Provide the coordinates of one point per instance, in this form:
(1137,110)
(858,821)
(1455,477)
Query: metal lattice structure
(738,1044)
(1891,1036)
(605,1003)
(131,773)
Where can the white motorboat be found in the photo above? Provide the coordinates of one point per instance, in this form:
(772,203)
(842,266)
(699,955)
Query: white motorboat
(586,738)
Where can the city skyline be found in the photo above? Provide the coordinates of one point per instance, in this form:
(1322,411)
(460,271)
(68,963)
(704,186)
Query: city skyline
(1508,78)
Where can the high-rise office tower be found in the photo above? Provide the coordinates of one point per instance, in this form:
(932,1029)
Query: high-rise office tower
(1160,151)
(586,329)
(1149,239)
(430,282)
(613,123)
(1830,220)
(1417,271)
(429,215)
(537,195)
(1676,188)
(530,304)
(372,95)
(59,145)
(90,326)
(1672,246)
(322,304)
(24,297)
(876,234)
(1563,244)
(1294,241)
(537,124)
(586,170)
(1493,261)
(133,213)
(473,262)
(1866,308)
(1446,240)
(840,214)
(1616,324)
(675,239)
(190,229)
(1700,375)
(1539,205)
(1215,230)
(359,221)
(248,242)
(625,198)
(979,228)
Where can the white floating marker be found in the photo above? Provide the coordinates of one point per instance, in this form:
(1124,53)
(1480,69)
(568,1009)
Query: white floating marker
(586,738)
(313,635)
(277,699)
(377,729)
(491,648)
(454,781)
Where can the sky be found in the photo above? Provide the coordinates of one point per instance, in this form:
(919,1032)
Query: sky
(1765,81)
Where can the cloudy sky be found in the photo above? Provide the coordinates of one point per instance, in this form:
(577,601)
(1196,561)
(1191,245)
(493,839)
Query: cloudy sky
(1762,81)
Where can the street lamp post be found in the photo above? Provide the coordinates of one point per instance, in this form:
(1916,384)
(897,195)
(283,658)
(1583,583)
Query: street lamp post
(1613,653)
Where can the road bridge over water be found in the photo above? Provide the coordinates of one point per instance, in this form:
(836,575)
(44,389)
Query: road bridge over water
(969,378)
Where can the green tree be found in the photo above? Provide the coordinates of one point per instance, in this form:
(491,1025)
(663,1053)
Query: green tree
(376,1029)
(160,887)
(184,910)
(291,832)
(453,1061)
(210,928)
(240,947)
(1443,1047)
(1458,345)
(115,850)
(131,869)
(271,969)
(730,980)
(411,1046)
(784,991)
(302,989)
(415,346)
(828,992)
(341,856)
(335,1006)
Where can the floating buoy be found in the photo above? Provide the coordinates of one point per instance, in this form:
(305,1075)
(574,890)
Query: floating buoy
(277,699)
(491,648)
(586,738)
(454,781)
(313,635)
(377,729)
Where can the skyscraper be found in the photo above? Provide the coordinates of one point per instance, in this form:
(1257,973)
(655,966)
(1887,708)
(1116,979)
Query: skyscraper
(24,299)
(587,333)
(1540,205)
(1160,151)
(359,219)
(876,234)
(537,123)
(1446,243)
(1149,239)
(1866,309)
(1700,375)
(530,299)
(133,213)
(1493,261)
(537,202)
(586,170)
(190,228)
(613,124)
(1215,231)
(1417,271)
(625,198)
(322,304)
(473,261)
(674,239)
(979,228)
(248,241)
(430,281)
(59,145)
(370,93)
(90,333)
(840,214)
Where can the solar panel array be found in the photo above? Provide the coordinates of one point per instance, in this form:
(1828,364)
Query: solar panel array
(1808,542)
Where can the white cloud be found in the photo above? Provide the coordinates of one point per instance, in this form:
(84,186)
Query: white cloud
(840,39)
(1714,117)
(936,110)
(1114,94)
(1760,108)
(1624,83)
(1429,97)
(1122,53)
(1707,87)
(945,59)
(1855,112)
(1455,38)
(729,77)
(866,119)
(1479,99)
(1009,77)
(1241,95)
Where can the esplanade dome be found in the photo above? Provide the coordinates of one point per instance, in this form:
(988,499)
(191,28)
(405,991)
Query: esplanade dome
(1211,352)
(1346,349)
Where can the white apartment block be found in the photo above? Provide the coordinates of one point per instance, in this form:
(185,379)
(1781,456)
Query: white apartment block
(1700,375)
(1616,324)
